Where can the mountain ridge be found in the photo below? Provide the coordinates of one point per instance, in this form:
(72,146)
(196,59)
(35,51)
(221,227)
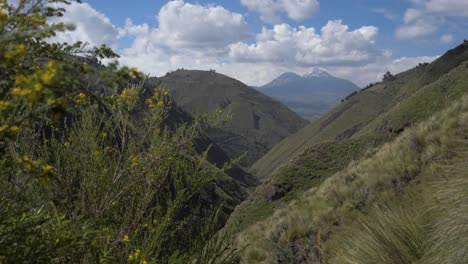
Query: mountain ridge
(258,122)
(311,94)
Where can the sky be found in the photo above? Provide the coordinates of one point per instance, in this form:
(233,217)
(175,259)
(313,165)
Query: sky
(257,40)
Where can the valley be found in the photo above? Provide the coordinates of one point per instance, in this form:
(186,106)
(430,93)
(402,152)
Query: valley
(267,149)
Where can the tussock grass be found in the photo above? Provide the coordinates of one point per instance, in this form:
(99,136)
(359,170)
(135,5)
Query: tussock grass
(353,192)
(449,233)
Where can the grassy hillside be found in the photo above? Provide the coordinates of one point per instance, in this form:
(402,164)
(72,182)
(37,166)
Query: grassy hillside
(354,128)
(258,122)
(358,110)
(404,204)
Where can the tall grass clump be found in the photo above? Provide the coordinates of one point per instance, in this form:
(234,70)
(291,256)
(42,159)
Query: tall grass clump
(385,235)
(365,193)
(449,230)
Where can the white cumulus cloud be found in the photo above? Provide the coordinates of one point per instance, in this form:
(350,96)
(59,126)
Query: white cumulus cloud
(334,44)
(426,18)
(91,26)
(183,24)
(271,11)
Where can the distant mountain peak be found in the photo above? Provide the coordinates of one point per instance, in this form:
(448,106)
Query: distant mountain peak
(317,72)
(284,78)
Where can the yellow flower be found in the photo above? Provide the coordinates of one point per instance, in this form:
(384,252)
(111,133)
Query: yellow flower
(81,97)
(49,73)
(150,103)
(135,161)
(51,101)
(137,253)
(20,92)
(47,169)
(130,258)
(143,262)
(166,93)
(20,79)
(38,87)
(3,128)
(133,72)
(126,238)
(160,104)
(14,129)
(18,50)
(4,105)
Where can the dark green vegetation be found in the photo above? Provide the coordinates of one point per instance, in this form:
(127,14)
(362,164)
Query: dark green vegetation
(258,122)
(95,165)
(311,95)
(313,196)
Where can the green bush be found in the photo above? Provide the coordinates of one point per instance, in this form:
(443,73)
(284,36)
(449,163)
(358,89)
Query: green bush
(90,169)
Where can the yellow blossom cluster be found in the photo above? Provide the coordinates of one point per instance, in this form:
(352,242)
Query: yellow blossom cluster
(133,72)
(159,100)
(15,52)
(135,161)
(32,87)
(8,131)
(127,98)
(136,256)
(29,165)
(4,105)
(81,98)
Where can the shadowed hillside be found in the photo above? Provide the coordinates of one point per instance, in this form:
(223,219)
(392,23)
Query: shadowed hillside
(258,122)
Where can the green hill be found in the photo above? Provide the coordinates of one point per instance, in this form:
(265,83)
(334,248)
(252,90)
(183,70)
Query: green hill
(355,128)
(404,204)
(258,122)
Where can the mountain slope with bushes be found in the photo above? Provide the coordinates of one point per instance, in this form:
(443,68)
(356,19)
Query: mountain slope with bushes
(258,122)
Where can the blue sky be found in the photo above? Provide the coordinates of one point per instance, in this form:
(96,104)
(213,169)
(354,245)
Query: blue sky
(255,40)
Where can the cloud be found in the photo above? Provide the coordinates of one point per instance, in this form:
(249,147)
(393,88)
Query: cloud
(271,11)
(385,12)
(447,38)
(188,36)
(417,25)
(334,44)
(188,25)
(372,72)
(427,17)
(91,26)
(132,29)
(448,7)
